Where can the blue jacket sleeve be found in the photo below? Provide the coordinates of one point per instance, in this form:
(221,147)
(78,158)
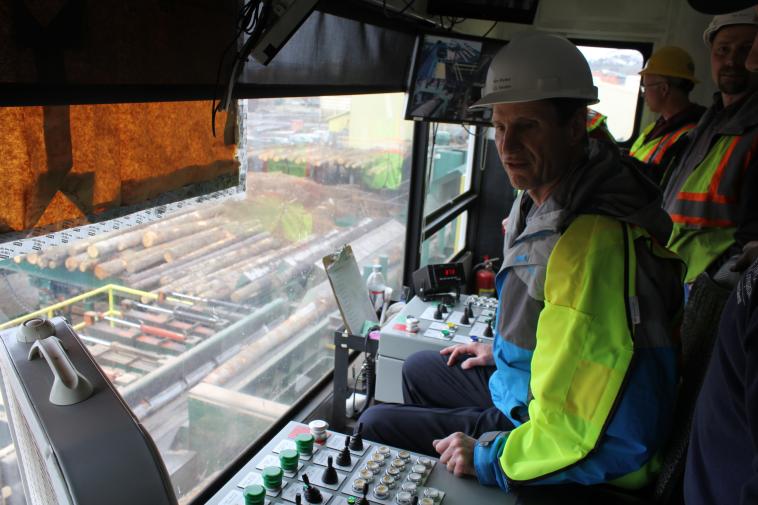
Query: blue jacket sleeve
(487,463)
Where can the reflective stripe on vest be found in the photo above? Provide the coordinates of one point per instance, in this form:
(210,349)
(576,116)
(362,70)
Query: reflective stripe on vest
(653,150)
(709,195)
(594,119)
(706,209)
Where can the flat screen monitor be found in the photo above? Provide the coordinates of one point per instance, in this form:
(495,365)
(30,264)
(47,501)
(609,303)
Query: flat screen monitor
(448,76)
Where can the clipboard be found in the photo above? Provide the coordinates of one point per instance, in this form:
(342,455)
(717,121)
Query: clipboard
(349,290)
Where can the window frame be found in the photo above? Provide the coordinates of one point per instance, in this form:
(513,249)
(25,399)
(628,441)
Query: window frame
(645,49)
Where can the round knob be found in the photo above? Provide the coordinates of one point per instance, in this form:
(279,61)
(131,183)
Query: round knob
(34,329)
(254,495)
(304,443)
(272,477)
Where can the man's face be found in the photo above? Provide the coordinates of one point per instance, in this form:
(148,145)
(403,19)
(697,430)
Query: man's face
(752,58)
(655,87)
(729,52)
(534,147)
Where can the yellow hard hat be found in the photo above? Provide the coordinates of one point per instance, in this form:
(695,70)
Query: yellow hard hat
(671,61)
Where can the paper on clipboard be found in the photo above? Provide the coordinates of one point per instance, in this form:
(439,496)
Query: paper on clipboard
(349,289)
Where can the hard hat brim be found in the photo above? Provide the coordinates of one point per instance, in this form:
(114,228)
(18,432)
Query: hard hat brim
(508,96)
(670,74)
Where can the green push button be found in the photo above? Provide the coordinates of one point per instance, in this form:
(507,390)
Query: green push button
(351,500)
(254,495)
(288,459)
(304,443)
(272,477)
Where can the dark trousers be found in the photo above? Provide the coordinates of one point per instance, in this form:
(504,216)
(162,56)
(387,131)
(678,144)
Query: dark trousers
(438,400)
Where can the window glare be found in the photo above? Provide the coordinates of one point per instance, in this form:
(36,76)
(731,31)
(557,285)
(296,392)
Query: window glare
(615,72)
(221,318)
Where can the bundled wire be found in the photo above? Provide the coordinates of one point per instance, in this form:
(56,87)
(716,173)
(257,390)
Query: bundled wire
(252,20)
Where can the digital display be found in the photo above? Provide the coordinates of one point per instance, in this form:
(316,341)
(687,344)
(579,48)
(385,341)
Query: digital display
(439,278)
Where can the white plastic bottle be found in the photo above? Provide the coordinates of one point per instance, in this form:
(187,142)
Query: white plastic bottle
(376,284)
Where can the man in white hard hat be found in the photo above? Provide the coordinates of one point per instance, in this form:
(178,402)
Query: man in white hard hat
(721,460)
(709,190)
(579,385)
(667,79)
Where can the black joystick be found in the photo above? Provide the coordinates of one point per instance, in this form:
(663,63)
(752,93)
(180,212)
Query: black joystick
(356,444)
(464,318)
(438,312)
(330,474)
(344,458)
(488,329)
(470,310)
(415,500)
(312,494)
(444,308)
(298,499)
(364,500)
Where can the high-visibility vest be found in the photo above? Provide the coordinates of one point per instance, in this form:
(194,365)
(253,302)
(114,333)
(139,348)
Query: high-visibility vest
(705,211)
(597,126)
(594,119)
(653,150)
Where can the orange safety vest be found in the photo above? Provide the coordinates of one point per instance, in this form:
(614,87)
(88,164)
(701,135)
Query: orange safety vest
(653,150)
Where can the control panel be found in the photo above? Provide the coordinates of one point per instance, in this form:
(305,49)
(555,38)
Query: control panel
(423,325)
(311,464)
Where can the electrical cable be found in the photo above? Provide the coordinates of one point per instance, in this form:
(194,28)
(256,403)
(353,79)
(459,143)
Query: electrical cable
(252,18)
(491,28)
(467,130)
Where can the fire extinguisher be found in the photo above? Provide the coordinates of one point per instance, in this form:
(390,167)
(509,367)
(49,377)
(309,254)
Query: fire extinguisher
(485,278)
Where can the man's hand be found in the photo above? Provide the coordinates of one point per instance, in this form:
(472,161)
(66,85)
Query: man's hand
(481,354)
(457,452)
(748,256)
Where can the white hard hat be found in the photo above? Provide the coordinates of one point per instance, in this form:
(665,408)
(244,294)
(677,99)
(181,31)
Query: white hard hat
(743,17)
(537,66)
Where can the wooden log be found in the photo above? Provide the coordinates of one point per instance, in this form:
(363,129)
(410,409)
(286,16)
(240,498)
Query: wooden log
(109,268)
(148,257)
(104,247)
(150,277)
(72,262)
(78,247)
(180,250)
(158,236)
(229,266)
(87,264)
(142,280)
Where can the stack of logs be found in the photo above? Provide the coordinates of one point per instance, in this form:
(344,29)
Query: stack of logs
(140,257)
(197,253)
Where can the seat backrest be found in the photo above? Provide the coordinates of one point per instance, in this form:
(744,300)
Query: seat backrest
(699,329)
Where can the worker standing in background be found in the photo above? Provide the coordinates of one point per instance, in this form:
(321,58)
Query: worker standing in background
(710,189)
(597,126)
(722,459)
(667,79)
(580,383)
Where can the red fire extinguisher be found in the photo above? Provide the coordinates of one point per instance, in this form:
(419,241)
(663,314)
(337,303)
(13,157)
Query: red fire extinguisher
(485,278)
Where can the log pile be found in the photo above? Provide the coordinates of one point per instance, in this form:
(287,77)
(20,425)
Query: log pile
(223,251)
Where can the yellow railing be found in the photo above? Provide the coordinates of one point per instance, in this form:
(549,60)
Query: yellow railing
(110,289)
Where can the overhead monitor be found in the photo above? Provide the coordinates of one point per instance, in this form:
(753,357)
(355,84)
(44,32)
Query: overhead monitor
(448,77)
(513,11)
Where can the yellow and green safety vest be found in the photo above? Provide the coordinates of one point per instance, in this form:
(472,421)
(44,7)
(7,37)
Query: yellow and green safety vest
(653,150)
(706,209)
